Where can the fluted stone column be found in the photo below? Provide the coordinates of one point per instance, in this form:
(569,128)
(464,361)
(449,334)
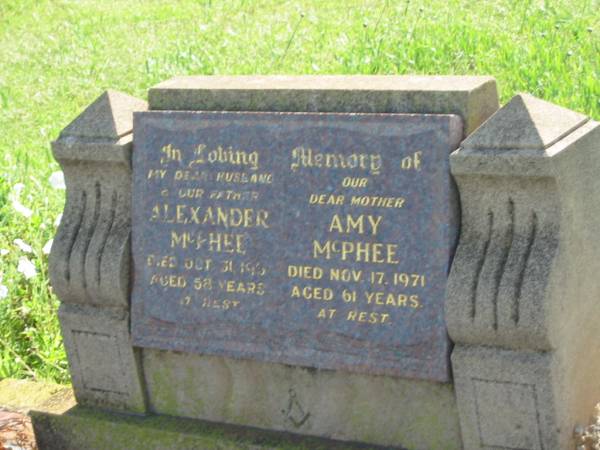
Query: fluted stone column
(90,258)
(523,302)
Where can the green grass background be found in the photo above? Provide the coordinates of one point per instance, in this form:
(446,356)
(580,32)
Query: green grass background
(56,57)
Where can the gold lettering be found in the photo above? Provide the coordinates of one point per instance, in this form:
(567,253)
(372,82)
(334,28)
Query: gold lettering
(221,155)
(156,174)
(367,317)
(346,275)
(354,182)
(367,252)
(168,281)
(225,217)
(312,293)
(305,272)
(392,299)
(169,154)
(412,162)
(309,158)
(326,313)
(377,202)
(226,243)
(181,239)
(351,224)
(166,262)
(326,199)
(336,224)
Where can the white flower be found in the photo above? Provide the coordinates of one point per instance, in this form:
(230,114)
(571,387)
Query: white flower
(21,209)
(3,252)
(47,247)
(16,203)
(23,246)
(3,292)
(26,267)
(58,220)
(16,190)
(57,180)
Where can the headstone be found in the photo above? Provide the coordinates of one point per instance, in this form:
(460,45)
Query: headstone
(264,293)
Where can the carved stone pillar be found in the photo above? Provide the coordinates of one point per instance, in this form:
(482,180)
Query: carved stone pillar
(89,262)
(523,298)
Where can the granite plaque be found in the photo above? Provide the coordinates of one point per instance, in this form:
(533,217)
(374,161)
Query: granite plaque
(314,239)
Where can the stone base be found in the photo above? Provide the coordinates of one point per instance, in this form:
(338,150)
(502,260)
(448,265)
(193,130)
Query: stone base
(90,429)
(105,368)
(379,410)
(506,399)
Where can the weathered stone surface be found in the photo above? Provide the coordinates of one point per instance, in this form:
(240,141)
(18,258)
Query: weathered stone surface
(473,98)
(109,118)
(525,123)
(524,277)
(89,262)
(506,399)
(384,317)
(500,273)
(82,428)
(512,225)
(105,369)
(381,410)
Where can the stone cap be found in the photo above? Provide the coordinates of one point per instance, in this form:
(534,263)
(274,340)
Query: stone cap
(102,132)
(108,118)
(326,82)
(521,139)
(524,123)
(474,98)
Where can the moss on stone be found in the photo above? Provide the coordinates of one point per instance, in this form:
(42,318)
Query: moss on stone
(164,392)
(24,395)
(96,430)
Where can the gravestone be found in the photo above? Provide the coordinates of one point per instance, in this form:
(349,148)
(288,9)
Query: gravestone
(293,254)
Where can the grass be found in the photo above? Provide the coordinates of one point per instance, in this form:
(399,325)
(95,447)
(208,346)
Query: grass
(57,56)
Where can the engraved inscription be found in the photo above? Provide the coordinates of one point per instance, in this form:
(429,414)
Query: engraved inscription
(313,239)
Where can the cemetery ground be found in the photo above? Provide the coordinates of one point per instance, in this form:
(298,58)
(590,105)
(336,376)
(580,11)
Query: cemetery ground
(56,57)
